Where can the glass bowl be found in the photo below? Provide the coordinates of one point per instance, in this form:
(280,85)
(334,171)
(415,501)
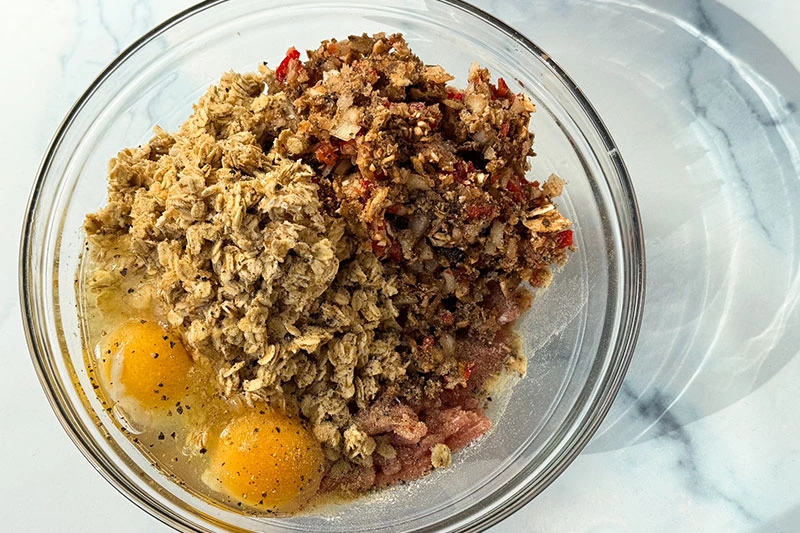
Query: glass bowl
(579,335)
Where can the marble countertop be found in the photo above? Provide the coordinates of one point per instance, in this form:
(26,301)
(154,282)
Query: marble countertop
(705,434)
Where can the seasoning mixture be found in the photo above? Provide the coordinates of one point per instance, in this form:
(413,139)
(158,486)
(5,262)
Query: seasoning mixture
(327,261)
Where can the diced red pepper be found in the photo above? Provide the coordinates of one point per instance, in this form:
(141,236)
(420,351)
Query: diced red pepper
(478,211)
(502,88)
(518,187)
(382,250)
(460,173)
(427,343)
(378,248)
(326,153)
(504,129)
(367,185)
(396,252)
(564,238)
(455,94)
(447,318)
(468,368)
(367,188)
(378,229)
(283,69)
(373,75)
(501,91)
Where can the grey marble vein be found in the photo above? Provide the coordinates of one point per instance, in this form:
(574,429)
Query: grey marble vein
(655,408)
(65,56)
(706,26)
(103,24)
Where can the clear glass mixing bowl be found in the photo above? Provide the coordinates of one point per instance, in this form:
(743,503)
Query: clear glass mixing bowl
(578,337)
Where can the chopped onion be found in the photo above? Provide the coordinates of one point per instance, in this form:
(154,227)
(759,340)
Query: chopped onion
(518,106)
(448,343)
(449,282)
(347,128)
(345,131)
(418,224)
(495,237)
(415,182)
(480,137)
(496,233)
(475,102)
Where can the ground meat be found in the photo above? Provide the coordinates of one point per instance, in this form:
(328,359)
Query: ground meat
(389,417)
(347,238)
(452,428)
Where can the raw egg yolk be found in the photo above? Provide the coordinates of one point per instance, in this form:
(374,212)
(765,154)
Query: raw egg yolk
(266,460)
(145,362)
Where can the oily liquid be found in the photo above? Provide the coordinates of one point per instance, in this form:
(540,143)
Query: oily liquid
(175,439)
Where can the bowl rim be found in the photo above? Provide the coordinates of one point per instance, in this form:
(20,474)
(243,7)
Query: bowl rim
(634,277)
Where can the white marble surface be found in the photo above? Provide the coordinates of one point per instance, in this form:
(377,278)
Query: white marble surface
(705,435)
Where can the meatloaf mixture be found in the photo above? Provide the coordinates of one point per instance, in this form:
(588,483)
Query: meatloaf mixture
(348,239)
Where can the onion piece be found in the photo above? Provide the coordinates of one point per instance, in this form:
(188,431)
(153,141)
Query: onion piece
(418,224)
(448,343)
(449,282)
(415,182)
(495,237)
(345,131)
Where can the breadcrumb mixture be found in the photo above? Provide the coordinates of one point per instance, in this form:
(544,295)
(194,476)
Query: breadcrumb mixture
(346,238)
